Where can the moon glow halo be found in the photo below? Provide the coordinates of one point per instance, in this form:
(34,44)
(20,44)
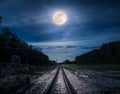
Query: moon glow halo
(59,17)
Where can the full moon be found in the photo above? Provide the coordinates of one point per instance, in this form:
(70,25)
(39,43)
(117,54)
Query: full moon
(59,17)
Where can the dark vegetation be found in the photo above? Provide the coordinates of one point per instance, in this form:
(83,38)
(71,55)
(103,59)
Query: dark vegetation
(22,80)
(106,58)
(10,45)
(108,53)
(18,76)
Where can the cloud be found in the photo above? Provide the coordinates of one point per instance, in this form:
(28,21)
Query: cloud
(65,49)
(90,23)
(95,47)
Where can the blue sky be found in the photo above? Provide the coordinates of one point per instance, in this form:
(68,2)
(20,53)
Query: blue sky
(90,23)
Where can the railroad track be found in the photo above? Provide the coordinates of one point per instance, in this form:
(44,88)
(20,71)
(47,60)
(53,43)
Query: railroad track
(60,84)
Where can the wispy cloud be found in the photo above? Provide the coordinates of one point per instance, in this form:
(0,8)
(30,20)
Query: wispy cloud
(65,49)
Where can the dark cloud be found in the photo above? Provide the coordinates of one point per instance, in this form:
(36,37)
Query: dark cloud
(95,47)
(71,46)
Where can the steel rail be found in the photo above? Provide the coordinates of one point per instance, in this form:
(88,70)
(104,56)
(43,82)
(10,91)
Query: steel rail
(51,83)
(69,87)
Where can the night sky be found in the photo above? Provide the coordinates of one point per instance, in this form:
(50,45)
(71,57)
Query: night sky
(90,23)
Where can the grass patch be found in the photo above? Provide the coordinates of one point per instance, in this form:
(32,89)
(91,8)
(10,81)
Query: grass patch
(98,67)
(10,88)
(20,79)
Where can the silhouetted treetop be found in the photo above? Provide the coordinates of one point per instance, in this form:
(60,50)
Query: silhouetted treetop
(1,19)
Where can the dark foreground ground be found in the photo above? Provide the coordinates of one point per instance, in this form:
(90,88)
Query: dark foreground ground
(86,79)
(94,79)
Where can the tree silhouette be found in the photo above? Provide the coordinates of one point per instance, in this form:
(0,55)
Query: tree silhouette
(107,54)
(1,20)
(10,45)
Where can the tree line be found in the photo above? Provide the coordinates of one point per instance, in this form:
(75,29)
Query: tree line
(108,53)
(10,45)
